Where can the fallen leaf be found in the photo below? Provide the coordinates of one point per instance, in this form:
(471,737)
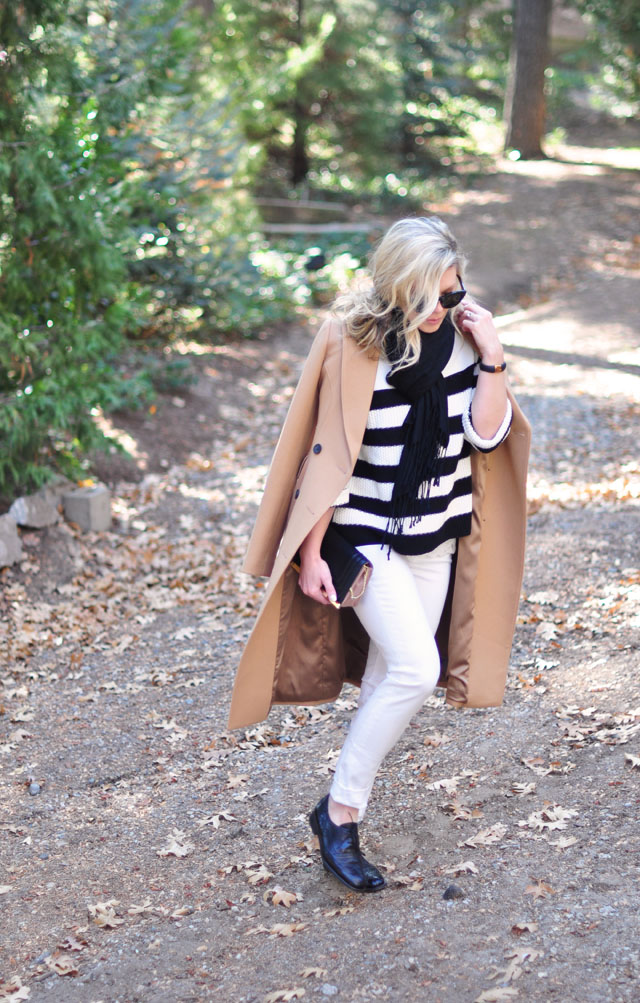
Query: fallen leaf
(62,965)
(287,929)
(517,959)
(563,842)
(486,836)
(551,817)
(460,811)
(519,928)
(341,910)
(448,784)
(466,867)
(71,943)
(278,896)
(285,995)
(540,889)
(103,914)
(178,846)
(13,990)
(437,739)
(313,973)
(521,789)
(138,910)
(496,995)
(236,780)
(214,820)
(634,760)
(279,929)
(259,877)
(413,883)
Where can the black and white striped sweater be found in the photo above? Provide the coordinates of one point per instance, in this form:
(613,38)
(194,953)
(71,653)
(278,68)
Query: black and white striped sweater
(363,507)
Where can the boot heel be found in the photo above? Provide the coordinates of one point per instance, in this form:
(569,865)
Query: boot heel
(313,822)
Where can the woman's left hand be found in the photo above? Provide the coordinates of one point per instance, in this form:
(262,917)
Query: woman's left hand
(475,321)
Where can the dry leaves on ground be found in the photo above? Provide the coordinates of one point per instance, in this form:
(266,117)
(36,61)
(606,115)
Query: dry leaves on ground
(279,929)
(285,995)
(104,915)
(313,973)
(540,889)
(62,964)
(13,991)
(178,845)
(486,836)
(465,867)
(497,995)
(517,959)
(278,896)
(551,817)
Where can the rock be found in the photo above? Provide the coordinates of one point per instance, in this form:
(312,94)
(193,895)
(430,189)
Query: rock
(89,507)
(10,544)
(36,510)
(34,788)
(453,892)
(329,990)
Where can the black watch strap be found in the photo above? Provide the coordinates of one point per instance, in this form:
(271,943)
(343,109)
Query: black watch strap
(492,369)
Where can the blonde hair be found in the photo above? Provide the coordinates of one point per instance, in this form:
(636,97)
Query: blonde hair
(406,269)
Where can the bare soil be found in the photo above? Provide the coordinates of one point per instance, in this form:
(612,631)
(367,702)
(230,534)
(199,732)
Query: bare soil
(149,855)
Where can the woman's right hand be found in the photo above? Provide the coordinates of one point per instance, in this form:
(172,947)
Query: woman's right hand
(315,578)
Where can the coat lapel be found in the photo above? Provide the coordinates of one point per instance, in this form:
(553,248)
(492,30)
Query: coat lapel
(357,380)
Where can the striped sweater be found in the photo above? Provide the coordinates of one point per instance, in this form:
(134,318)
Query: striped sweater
(363,507)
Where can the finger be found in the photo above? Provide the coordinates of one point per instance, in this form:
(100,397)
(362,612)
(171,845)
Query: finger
(327,583)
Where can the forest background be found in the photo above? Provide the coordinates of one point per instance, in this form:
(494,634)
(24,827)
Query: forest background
(154,153)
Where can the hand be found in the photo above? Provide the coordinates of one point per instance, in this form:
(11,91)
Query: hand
(315,578)
(477,322)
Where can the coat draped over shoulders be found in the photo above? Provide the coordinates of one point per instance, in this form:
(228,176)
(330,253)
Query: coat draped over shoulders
(301,651)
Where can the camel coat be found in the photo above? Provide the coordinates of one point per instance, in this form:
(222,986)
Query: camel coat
(300,651)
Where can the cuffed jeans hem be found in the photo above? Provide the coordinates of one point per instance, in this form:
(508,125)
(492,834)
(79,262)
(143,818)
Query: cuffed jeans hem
(353,799)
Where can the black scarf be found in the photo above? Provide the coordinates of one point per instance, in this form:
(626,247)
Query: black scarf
(426,427)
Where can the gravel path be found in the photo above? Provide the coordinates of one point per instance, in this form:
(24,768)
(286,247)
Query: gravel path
(149,855)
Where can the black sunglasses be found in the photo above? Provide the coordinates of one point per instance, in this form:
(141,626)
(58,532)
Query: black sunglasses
(448,300)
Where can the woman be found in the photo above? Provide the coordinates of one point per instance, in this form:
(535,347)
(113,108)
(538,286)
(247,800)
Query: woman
(402,433)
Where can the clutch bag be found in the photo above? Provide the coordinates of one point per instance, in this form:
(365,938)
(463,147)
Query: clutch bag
(350,571)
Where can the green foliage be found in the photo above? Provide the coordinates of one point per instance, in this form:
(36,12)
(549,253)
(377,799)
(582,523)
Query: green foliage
(314,275)
(122,214)
(615,33)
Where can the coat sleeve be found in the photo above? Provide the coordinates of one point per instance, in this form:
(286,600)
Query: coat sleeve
(293,444)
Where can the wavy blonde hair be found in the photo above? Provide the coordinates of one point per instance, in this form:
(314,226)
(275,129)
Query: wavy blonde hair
(406,269)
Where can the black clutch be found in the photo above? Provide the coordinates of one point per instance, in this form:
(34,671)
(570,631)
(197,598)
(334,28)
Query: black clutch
(350,571)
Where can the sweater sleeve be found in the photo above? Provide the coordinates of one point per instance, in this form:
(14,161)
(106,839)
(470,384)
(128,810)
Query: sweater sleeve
(486,445)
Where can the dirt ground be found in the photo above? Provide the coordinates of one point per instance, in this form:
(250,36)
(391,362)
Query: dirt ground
(149,855)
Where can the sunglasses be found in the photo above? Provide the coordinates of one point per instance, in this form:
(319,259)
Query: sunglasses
(447,300)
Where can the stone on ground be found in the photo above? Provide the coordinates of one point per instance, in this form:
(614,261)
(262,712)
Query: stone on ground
(89,508)
(37,510)
(10,545)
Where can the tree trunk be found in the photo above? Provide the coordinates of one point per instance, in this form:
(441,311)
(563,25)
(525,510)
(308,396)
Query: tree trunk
(525,101)
(299,157)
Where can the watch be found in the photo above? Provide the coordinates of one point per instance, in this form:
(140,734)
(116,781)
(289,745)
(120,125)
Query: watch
(492,369)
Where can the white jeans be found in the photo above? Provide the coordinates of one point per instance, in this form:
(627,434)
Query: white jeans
(400,612)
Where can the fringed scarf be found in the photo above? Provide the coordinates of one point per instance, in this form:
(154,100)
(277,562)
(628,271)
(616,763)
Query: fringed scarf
(426,427)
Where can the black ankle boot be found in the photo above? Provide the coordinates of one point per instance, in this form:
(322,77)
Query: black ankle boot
(340,851)
(375,881)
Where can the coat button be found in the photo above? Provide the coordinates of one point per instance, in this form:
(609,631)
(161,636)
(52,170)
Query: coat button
(317,448)
(297,493)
